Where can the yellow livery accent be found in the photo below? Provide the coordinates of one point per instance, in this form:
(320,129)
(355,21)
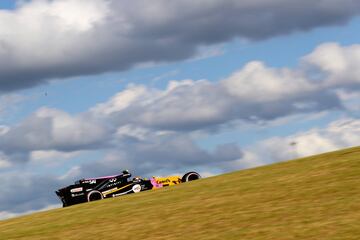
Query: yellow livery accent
(168,181)
(114,190)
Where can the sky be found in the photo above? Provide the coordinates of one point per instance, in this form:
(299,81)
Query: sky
(92,87)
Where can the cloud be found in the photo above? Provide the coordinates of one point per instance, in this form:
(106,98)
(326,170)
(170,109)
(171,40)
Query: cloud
(52,156)
(336,66)
(342,133)
(155,154)
(166,153)
(150,151)
(4,161)
(158,153)
(8,103)
(350,98)
(3,129)
(42,40)
(255,93)
(149,129)
(23,192)
(7,215)
(51,129)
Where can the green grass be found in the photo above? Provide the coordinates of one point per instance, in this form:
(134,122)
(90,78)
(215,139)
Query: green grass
(311,198)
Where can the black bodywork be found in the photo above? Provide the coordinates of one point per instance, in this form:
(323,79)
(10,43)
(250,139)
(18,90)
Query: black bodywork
(87,190)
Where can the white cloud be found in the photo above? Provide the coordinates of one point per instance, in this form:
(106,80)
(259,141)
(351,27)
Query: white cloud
(208,52)
(51,129)
(51,156)
(256,93)
(53,25)
(73,173)
(120,101)
(337,65)
(350,98)
(8,103)
(339,134)
(270,84)
(131,131)
(74,130)
(4,129)
(4,161)
(42,39)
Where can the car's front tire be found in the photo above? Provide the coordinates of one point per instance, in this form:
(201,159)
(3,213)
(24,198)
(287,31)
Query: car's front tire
(136,188)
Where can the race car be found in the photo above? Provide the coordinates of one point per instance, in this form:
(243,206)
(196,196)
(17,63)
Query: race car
(92,189)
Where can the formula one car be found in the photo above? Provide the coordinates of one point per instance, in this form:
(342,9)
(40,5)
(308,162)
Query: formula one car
(92,189)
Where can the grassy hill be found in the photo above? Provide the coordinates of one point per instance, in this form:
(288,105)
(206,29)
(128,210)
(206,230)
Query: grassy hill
(311,198)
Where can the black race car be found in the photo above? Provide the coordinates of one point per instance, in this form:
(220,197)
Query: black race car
(91,189)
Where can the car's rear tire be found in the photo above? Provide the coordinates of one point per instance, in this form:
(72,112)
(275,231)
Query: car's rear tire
(190,176)
(94,196)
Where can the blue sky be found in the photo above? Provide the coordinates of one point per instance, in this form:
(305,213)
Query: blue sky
(94,89)
(7,4)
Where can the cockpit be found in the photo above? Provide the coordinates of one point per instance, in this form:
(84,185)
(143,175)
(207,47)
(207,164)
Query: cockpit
(79,181)
(125,175)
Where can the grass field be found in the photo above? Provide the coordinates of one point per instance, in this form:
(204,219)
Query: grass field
(311,198)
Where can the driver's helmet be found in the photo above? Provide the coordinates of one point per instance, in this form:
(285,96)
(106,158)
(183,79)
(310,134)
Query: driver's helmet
(136,179)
